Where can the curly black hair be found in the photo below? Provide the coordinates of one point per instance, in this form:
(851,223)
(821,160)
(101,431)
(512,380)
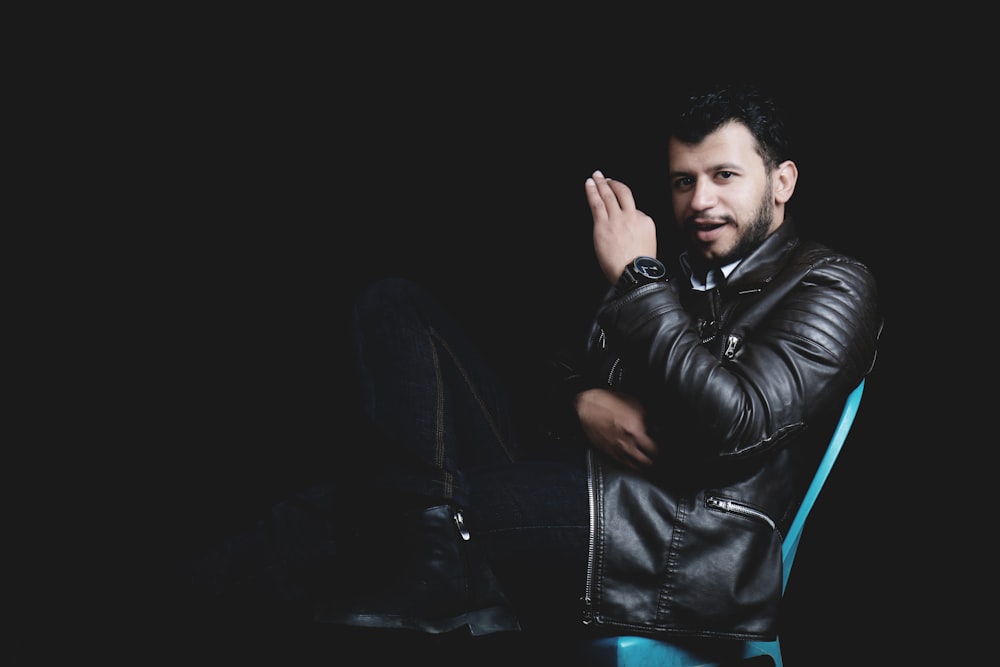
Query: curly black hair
(699,112)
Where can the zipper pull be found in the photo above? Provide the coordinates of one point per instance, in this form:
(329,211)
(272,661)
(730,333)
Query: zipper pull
(460,522)
(588,611)
(731,344)
(719,504)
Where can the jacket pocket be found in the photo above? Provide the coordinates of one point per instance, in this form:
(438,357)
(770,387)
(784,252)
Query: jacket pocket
(738,508)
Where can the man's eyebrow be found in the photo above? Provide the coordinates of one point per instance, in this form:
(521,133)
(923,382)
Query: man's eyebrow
(722,166)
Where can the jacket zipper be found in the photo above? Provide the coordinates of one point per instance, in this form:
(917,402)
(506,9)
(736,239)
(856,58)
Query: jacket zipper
(588,612)
(615,367)
(615,370)
(734,507)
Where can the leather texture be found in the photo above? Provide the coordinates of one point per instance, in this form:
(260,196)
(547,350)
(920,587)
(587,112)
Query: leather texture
(746,400)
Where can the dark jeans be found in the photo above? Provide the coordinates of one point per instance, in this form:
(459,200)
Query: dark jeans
(442,427)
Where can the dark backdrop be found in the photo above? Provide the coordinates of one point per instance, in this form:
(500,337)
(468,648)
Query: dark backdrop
(287,173)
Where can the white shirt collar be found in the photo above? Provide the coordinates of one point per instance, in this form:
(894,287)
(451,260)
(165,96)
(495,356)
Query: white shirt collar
(711,279)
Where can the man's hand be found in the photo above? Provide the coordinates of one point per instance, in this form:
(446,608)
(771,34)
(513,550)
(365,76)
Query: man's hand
(615,423)
(621,231)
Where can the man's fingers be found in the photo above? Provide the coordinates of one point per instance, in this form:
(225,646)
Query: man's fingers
(641,458)
(616,195)
(622,194)
(595,198)
(608,194)
(601,196)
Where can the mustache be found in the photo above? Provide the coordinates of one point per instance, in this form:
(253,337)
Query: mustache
(693,223)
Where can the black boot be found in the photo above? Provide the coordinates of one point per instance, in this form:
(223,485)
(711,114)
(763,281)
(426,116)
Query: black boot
(434,582)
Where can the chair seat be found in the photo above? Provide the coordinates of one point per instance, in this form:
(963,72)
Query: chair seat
(629,651)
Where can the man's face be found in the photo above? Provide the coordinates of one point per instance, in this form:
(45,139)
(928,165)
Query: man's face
(723,196)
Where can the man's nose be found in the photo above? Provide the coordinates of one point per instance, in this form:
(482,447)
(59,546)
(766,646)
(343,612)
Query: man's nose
(704,195)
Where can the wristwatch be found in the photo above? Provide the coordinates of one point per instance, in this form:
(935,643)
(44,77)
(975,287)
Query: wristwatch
(641,271)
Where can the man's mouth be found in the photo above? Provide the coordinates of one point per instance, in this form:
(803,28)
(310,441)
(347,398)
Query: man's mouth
(707,225)
(706,231)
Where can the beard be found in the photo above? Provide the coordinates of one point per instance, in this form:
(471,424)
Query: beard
(751,236)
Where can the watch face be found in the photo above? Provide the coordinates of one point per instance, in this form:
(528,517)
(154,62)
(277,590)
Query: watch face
(649,267)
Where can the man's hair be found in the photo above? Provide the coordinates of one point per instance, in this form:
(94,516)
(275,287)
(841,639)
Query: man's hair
(702,111)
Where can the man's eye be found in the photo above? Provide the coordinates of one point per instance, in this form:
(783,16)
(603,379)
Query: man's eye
(725,174)
(683,182)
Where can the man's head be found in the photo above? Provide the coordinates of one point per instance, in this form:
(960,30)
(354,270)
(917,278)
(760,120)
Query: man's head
(730,176)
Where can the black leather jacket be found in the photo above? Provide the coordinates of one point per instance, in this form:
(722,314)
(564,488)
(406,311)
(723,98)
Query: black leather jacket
(742,403)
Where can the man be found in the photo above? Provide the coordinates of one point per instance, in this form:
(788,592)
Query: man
(672,451)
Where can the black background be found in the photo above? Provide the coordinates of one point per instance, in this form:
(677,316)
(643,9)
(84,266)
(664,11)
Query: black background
(278,167)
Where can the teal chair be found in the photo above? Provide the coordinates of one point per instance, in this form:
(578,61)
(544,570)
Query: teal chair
(628,651)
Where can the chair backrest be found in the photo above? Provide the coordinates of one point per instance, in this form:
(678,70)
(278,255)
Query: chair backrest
(627,651)
(791,542)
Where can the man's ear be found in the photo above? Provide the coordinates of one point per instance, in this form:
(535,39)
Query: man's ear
(784,184)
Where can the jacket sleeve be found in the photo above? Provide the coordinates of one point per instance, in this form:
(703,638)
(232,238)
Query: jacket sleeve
(795,346)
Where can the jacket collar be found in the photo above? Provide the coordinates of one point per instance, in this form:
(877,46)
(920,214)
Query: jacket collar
(763,263)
